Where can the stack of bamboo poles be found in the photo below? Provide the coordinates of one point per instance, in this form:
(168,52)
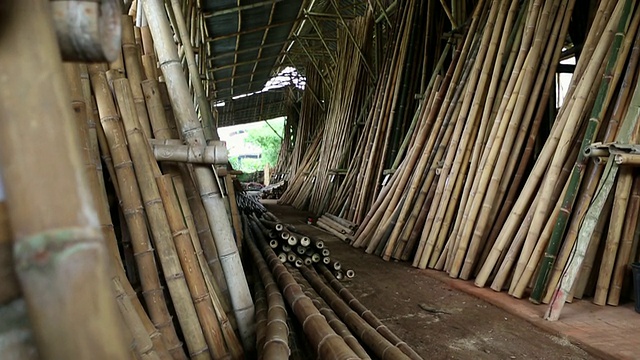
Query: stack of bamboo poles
(392,115)
(336,325)
(339,227)
(333,148)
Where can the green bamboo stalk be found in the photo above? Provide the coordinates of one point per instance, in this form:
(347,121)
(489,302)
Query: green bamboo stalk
(605,93)
(595,209)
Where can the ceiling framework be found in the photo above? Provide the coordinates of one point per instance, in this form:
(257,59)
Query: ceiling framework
(247,42)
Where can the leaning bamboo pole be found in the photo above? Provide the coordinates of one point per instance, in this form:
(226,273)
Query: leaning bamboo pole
(193,274)
(208,188)
(145,171)
(604,97)
(10,289)
(132,206)
(60,257)
(586,230)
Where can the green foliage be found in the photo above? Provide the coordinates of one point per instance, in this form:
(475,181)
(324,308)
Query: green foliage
(265,138)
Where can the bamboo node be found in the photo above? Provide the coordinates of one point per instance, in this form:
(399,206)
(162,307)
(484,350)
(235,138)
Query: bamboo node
(37,250)
(200,298)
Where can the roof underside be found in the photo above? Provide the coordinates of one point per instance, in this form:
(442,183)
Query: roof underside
(249,41)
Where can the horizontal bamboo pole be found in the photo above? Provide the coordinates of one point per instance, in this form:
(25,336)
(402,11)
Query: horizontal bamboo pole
(214,155)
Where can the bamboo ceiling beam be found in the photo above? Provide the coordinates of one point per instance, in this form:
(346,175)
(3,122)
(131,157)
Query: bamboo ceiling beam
(235,57)
(314,62)
(242,51)
(353,39)
(223,67)
(249,31)
(313,93)
(264,38)
(239,8)
(326,16)
(319,31)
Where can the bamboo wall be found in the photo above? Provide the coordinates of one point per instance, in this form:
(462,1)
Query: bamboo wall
(463,164)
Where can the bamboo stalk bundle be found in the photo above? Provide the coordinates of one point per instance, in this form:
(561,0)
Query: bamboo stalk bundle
(626,132)
(61,253)
(208,188)
(275,344)
(368,334)
(333,319)
(326,343)
(133,208)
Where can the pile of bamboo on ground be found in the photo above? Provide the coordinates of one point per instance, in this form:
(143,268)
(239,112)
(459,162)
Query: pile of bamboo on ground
(392,114)
(339,227)
(345,104)
(334,323)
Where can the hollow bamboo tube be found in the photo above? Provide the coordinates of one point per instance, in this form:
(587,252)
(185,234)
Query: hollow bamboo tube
(210,154)
(626,243)
(10,289)
(382,347)
(135,74)
(276,343)
(326,343)
(333,319)
(60,258)
(208,188)
(132,207)
(160,230)
(193,275)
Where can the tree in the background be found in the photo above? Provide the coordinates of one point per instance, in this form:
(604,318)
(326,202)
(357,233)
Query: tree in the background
(268,137)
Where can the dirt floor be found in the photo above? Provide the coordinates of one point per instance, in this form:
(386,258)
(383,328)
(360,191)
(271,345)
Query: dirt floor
(439,322)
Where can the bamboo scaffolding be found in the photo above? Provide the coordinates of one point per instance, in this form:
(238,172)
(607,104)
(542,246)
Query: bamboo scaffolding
(207,186)
(65,320)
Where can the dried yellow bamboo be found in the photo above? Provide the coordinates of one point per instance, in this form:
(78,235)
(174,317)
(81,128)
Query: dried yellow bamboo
(145,172)
(133,209)
(208,188)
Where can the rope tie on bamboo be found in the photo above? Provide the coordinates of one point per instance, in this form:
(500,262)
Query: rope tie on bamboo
(35,251)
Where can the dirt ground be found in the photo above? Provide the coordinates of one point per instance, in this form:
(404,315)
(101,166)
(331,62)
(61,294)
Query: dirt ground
(437,321)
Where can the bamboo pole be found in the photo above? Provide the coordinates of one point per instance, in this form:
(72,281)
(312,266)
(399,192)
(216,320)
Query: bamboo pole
(208,188)
(10,289)
(586,230)
(209,127)
(195,279)
(132,207)
(60,258)
(145,172)
(325,341)
(604,97)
